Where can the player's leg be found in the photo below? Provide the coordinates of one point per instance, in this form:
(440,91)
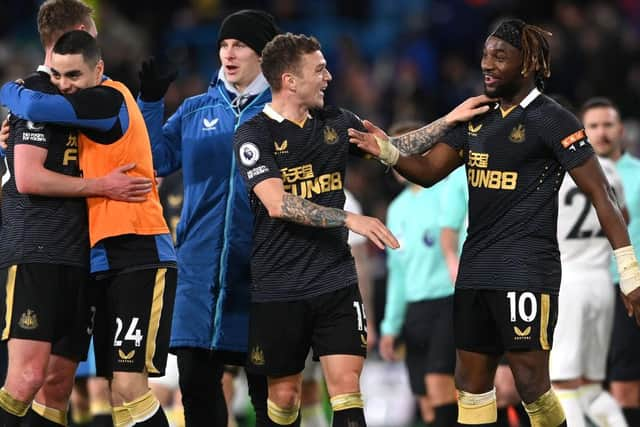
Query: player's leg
(29,296)
(142,304)
(258,392)
(507,396)
(440,363)
(570,350)
(50,404)
(340,341)
(477,353)
(600,407)
(527,320)
(74,325)
(624,369)
(201,386)
(279,340)
(165,388)
(100,398)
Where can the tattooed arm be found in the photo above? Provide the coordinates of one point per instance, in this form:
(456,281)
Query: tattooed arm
(302,211)
(288,207)
(421,140)
(376,142)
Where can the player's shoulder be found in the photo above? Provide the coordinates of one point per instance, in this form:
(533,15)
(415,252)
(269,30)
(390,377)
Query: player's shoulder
(545,106)
(629,161)
(41,82)
(256,127)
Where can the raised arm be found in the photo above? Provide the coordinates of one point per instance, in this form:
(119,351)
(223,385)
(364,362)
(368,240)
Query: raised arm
(95,108)
(591,180)
(166,140)
(288,207)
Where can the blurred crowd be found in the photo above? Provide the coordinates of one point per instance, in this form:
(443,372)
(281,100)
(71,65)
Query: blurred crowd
(390,60)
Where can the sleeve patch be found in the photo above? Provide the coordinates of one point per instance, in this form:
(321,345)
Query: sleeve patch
(249,154)
(573,138)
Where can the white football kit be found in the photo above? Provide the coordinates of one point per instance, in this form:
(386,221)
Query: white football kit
(586,301)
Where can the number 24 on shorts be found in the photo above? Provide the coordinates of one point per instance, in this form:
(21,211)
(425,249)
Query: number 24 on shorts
(132,334)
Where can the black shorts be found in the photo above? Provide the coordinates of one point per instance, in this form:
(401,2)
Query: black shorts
(48,302)
(281,332)
(428,336)
(133,321)
(492,321)
(624,350)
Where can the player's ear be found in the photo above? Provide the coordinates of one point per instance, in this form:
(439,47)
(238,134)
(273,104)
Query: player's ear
(289,81)
(99,70)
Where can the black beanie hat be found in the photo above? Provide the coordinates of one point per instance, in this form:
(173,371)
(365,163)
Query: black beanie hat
(511,32)
(253,27)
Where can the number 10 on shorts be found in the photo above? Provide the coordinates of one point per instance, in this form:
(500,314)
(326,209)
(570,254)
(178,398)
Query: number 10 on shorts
(362,317)
(525,306)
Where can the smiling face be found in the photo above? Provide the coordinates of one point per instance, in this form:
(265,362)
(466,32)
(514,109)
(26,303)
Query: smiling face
(70,73)
(501,66)
(240,63)
(311,79)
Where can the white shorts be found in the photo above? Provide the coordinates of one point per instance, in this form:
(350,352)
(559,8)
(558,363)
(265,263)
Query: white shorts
(583,332)
(170,378)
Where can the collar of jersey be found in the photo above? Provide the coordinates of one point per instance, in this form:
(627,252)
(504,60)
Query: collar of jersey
(44,69)
(524,103)
(274,115)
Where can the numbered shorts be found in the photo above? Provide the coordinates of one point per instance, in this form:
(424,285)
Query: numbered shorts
(624,352)
(133,322)
(492,321)
(48,302)
(282,332)
(583,331)
(428,336)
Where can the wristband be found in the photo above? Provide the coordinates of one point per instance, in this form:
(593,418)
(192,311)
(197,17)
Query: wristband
(389,154)
(628,269)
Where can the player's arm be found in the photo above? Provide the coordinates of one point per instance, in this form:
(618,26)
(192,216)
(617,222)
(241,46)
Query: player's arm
(395,306)
(591,180)
(99,108)
(166,140)
(33,178)
(420,140)
(288,207)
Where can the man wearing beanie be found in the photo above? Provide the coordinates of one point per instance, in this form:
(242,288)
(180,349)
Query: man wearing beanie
(214,235)
(516,155)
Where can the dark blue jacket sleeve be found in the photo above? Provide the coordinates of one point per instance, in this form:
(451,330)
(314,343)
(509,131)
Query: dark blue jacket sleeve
(166,141)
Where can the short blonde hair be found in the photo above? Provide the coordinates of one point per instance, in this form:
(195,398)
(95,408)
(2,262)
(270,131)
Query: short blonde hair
(56,17)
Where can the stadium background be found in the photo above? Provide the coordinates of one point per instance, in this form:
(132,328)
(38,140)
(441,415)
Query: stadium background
(390,59)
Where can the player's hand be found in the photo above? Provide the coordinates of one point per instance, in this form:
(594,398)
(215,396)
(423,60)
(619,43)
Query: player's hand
(373,229)
(155,79)
(629,280)
(470,108)
(387,351)
(632,304)
(117,185)
(4,134)
(375,142)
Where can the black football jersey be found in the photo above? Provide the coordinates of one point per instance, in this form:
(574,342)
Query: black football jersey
(292,261)
(515,162)
(38,229)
